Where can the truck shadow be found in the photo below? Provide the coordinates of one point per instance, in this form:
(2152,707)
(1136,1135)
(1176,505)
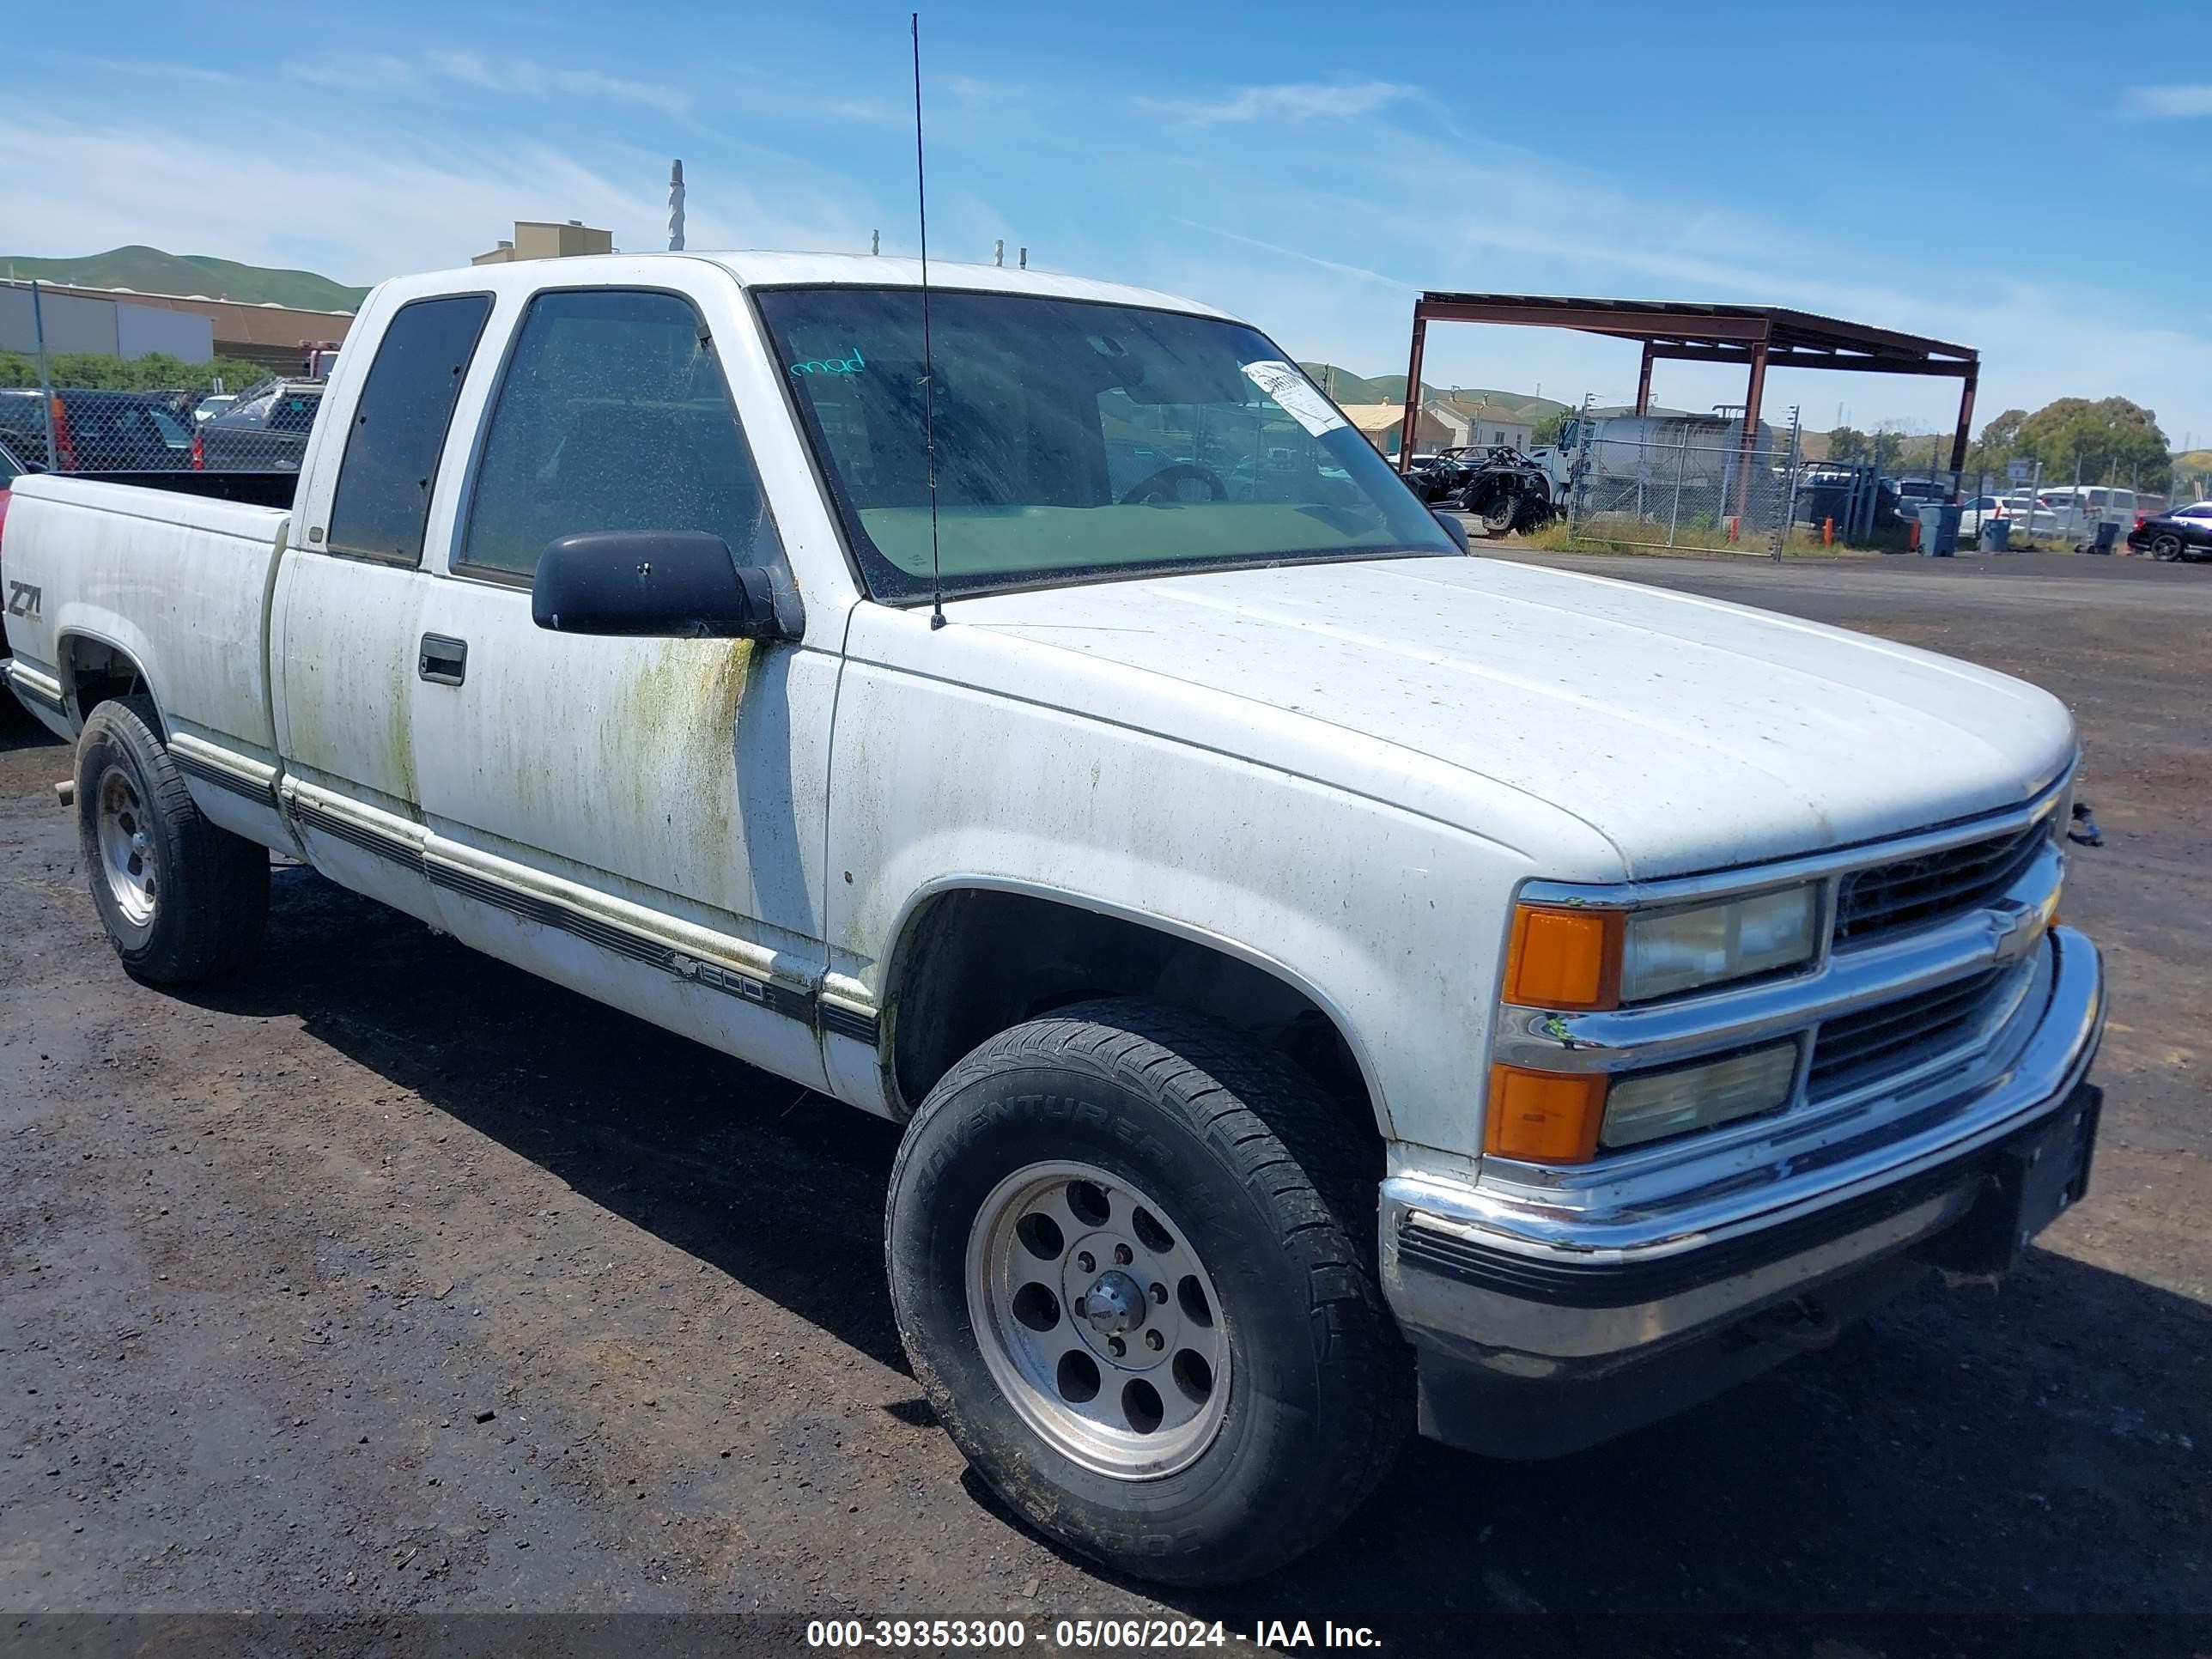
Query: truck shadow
(771,1183)
(19,731)
(2034,1448)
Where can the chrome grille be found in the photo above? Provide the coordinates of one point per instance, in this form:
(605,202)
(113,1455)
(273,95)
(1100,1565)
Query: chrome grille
(1875,1042)
(1886,897)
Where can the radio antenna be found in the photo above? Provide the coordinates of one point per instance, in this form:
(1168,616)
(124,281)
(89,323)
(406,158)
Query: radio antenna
(928,363)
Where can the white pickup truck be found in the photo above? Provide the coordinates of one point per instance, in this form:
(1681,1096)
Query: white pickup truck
(1325,978)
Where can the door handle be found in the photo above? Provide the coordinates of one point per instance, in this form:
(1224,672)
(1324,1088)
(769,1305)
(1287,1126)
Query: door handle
(444,661)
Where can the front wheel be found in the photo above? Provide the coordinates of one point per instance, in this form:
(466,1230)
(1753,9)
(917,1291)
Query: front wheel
(2165,549)
(1131,1258)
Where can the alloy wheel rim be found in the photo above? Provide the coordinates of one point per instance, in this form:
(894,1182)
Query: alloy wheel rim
(127,859)
(1097,1320)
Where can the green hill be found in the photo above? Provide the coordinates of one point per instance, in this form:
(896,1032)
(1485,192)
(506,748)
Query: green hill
(149,270)
(1349,388)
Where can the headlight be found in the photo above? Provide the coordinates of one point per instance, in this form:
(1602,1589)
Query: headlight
(1575,958)
(1671,1102)
(1669,950)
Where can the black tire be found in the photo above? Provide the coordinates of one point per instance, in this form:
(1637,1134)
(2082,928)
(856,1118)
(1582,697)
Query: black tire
(2165,549)
(211,901)
(1497,513)
(1275,1191)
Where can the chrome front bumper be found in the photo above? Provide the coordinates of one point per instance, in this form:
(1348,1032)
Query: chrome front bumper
(1523,1282)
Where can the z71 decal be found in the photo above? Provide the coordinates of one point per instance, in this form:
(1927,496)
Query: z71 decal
(23,599)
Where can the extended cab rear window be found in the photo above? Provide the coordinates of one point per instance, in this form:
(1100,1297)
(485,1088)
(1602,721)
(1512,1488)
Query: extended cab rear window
(383,499)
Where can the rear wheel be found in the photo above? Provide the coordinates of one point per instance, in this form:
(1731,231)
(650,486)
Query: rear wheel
(2166,547)
(1131,1255)
(1497,513)
(181,899)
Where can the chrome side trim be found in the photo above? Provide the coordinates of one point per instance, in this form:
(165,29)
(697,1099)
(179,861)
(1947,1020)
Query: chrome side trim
(692,954)
(33,687)
(386,834)
(224,768)
(697,954)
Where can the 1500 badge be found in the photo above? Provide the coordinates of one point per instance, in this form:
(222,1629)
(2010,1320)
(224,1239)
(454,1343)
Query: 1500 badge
(23,599)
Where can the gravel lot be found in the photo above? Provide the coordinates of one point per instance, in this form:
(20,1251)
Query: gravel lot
(388,1278)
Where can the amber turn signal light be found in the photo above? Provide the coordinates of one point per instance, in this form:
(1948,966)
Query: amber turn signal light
(1560,958)
(1547,1117)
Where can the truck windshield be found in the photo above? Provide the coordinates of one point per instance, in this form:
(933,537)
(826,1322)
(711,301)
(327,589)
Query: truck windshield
(1075,440)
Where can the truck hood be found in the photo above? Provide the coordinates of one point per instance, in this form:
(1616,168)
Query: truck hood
(1690,733)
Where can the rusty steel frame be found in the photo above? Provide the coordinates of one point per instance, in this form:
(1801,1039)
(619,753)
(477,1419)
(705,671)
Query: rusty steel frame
(1758,337)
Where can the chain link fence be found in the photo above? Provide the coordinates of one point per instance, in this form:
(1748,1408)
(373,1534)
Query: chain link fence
(1683,484)
(262,428)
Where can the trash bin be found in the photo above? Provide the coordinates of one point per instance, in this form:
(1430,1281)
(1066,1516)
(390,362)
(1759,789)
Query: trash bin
(1996,535)
(1939,529)
(2108,531)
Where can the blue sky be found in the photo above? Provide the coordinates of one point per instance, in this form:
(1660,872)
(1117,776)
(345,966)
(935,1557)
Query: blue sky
(1309,167)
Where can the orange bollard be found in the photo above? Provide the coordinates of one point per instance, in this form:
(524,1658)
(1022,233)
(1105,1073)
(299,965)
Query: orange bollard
(1827,532)
(1735,524)
(1913,545)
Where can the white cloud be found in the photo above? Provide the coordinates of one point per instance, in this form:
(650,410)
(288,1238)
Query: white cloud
(1299,100)
(374,71)
(2174,103)
(1324,240)
(522,77)
(375,204)
(167,71)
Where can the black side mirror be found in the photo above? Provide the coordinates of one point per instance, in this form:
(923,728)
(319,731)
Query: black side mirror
(665,584)
(1457,531)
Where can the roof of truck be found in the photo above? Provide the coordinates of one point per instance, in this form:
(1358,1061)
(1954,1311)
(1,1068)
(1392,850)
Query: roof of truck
(759,270)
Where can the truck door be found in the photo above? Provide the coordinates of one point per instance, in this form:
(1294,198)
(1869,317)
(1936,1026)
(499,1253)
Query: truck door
(346,637)
(641,819)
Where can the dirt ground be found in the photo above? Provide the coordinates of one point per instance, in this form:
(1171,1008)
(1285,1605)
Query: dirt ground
(388,1279)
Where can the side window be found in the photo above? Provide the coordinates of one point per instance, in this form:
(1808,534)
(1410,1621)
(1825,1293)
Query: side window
(613,415)
(383,498)
(295,412)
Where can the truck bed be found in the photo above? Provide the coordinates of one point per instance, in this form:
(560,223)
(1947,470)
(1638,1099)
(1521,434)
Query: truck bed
(252,488)
(175,573)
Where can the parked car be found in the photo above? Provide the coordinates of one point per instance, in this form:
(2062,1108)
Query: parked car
(2182,534)
(2082,505)
(1977,508)
(265,431)
(97,431)
(1328,983)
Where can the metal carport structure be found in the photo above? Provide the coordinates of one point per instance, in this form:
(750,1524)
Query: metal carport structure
(1758,337)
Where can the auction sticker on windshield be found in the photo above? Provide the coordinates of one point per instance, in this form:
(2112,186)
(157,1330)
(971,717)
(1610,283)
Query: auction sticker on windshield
(1301,399)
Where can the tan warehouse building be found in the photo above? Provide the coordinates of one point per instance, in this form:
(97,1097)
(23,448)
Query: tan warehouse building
(541,238)
(275,336)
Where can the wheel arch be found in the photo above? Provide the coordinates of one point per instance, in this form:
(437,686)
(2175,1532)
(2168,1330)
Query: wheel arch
(94,668)
(928,1025)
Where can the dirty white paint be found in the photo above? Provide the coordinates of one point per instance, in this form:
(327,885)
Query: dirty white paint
(1338,772)
(1682,734)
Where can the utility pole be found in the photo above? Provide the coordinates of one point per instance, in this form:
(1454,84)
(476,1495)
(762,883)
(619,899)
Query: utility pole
(45,384)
